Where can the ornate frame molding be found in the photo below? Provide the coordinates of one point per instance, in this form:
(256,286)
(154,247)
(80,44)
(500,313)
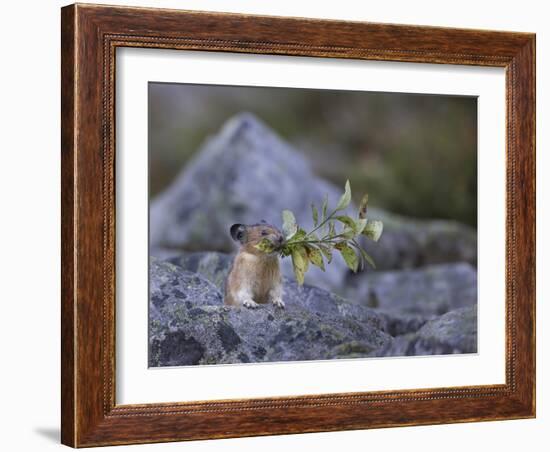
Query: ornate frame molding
(90,36)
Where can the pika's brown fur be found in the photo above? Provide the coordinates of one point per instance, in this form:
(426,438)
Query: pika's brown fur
(255,276)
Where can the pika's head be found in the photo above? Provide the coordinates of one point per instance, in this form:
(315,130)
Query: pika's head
(251,235)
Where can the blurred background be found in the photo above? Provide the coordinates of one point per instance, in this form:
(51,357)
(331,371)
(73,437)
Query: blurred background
(414,154)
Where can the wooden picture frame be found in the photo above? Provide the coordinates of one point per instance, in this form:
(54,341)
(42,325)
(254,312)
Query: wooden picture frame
(90,36)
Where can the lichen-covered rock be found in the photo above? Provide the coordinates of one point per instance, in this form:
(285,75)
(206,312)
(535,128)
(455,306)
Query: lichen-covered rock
(172,294)
(210,265)
(188,324)
(405,299)
(168,285)
(452,333)
(425,292)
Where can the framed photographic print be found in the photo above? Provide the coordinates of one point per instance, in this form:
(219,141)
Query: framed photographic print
(282,225)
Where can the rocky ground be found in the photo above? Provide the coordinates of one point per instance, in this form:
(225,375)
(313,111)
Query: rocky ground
(422,299)
(190,325)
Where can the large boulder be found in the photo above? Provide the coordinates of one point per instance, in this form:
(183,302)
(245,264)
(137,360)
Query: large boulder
(453,333)
(188,324)
(244,174)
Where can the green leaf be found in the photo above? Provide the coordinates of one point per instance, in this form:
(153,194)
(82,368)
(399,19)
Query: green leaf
(348,234)
(349,256)
(266,246)
(299,263)
(356,226)
(315,214)
(373,229)
(345,199)
(355,245)
(298,236)
(286,250)
(315,257)
(348,221)
(367,257)
(327,251)
(324,209)
(360,225)
(303,251)
(363,207)
(331,229)
(289,224)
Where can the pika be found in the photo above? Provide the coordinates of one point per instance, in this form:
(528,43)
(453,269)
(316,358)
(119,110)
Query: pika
(255,276)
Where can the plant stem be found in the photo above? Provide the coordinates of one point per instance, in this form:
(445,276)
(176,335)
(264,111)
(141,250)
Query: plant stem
(320,225)
(323,240)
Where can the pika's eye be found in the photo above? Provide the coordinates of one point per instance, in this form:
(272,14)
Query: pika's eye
(264,233)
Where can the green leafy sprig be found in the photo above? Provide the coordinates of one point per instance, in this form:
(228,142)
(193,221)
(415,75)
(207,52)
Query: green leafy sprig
(331,231)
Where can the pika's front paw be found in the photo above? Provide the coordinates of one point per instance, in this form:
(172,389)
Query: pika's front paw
(279,303)
(250,304)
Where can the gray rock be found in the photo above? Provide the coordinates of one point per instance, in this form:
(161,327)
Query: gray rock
(396,324)
(210,265)
(421,293)
(405,299)
(409,243)
(188,324)
(170,287)
(452,333)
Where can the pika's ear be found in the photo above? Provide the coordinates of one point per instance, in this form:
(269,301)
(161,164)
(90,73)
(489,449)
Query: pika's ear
(238,232)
